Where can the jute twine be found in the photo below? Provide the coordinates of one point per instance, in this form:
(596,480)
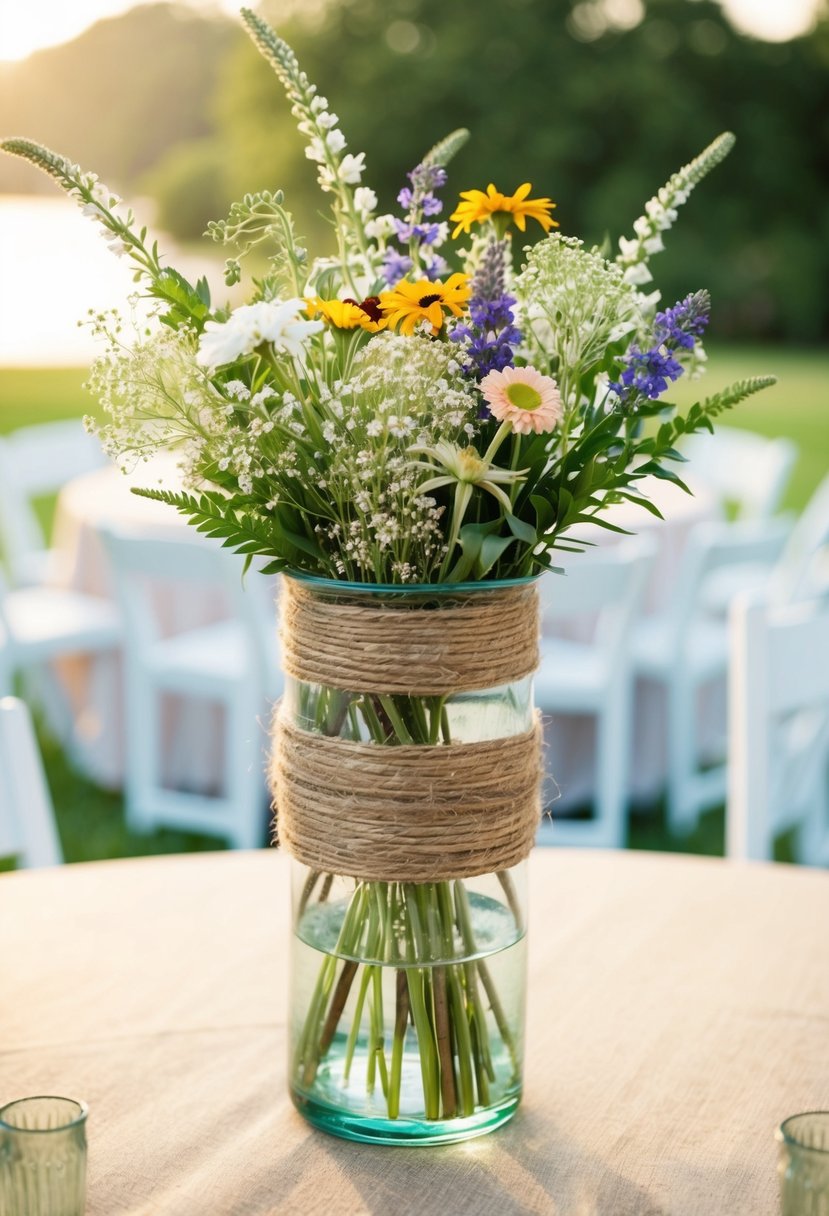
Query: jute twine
(408,813)
(429,649)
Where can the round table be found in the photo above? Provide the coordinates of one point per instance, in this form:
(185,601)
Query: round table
(677,1013)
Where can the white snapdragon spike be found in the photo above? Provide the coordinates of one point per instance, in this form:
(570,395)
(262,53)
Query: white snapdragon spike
(316,150)
(252,324)
(365,200)
(335,141)
(661,210)
(351,168)
(380,228)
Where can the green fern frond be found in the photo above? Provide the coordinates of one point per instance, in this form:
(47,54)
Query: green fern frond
(216,516)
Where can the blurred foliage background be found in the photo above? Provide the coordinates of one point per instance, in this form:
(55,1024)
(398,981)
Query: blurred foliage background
(596,102)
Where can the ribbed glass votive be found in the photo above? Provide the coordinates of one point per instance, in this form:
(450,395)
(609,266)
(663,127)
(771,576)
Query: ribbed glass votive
(43,1157)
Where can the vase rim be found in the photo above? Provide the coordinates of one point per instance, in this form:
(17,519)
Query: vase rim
(316,580)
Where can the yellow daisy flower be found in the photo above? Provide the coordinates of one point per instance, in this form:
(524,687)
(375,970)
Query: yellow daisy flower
(475,207)
(409,303)
(348,314)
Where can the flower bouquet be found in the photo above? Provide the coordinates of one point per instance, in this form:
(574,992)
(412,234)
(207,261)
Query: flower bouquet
(409,431)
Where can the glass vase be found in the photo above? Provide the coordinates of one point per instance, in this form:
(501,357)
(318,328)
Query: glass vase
(407,996)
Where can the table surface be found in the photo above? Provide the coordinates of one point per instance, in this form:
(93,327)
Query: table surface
(678,1011)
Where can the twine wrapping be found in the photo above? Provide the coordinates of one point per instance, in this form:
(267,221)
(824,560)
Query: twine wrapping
(407,813)
(437,647)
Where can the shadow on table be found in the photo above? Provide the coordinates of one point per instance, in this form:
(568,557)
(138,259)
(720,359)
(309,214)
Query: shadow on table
(529,1167)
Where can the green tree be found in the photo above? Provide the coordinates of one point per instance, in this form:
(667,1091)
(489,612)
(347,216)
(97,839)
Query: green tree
(594,115)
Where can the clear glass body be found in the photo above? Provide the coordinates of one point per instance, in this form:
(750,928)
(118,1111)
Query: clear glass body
(803,1164)
(407,999)
(43,1157)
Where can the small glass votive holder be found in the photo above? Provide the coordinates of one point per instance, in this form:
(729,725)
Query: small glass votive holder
(43,1157)
(803,1164)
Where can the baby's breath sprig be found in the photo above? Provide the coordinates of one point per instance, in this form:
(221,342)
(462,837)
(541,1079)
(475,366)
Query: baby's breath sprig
(661,211)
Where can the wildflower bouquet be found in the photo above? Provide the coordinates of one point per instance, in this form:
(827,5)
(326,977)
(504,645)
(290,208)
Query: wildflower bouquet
(416,410)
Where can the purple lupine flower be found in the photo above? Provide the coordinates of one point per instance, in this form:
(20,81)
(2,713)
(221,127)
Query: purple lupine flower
(648,373)
(490,334)
(395,266)
(419,202)
(685,322)
(435,267)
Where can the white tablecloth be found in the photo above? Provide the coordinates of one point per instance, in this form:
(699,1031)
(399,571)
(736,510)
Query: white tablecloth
(676,1014)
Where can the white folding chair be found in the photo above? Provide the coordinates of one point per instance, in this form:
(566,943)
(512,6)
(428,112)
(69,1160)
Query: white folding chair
(746,471)
(27,822)
(36,461)
(778,729)
(223,663)
(803,568)
(594,677)
(685,648)
(39,625)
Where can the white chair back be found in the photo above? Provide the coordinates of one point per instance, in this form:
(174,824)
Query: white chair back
(803,569)
(744,469)
(778,728)
(36,461)
(587,618)
(27,824)
(191,631)
(141,563)
(722,546)
(606,584)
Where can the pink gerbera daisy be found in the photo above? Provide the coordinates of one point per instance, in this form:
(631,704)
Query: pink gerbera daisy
(522,396)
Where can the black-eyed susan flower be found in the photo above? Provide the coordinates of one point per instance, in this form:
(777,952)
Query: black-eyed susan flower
(348,313)
(476,206)
(407,304)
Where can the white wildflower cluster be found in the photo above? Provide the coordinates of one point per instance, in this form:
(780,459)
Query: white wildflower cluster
(403,391)
(573,305)
(661,212)
(276,322)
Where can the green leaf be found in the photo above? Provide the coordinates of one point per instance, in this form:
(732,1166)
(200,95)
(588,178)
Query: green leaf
(470,539)
(491,550)
(544,513)
(521,530)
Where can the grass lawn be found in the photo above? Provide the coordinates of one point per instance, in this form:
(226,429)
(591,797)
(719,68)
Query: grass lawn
(91,821)
(797,407)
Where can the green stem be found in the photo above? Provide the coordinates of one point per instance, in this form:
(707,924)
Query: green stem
(401,1019)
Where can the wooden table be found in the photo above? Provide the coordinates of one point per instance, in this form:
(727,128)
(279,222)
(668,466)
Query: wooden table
(678,1011)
